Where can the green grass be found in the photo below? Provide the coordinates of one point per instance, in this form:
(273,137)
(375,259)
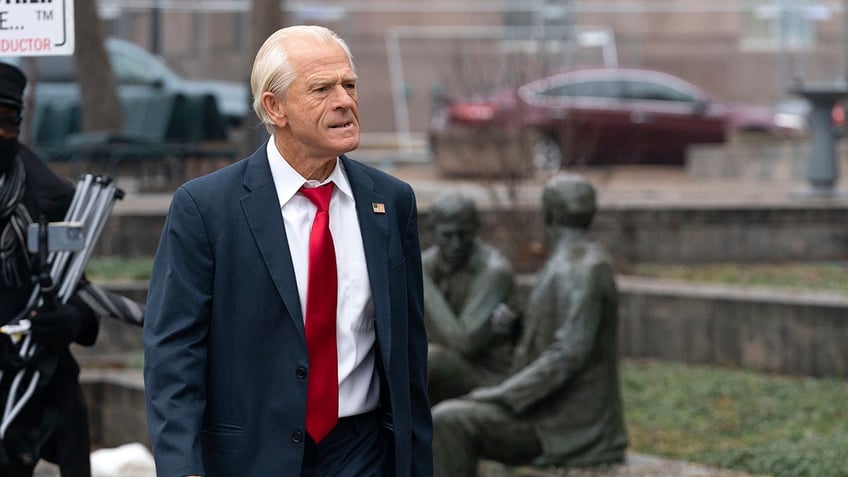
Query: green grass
(820,276)
(742,420)
(118,269)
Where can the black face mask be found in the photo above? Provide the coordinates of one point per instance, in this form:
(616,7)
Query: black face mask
(9,148)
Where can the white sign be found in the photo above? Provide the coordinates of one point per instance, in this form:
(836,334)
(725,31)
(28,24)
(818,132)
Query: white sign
(36,27)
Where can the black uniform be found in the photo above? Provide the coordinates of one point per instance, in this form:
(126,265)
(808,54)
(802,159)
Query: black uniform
(54,424)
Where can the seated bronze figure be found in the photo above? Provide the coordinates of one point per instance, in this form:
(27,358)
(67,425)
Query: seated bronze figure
(561,405)
(467,284)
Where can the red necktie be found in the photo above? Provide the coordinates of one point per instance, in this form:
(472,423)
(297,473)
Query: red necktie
(322,387)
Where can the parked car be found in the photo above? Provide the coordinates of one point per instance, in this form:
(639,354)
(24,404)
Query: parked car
(137,72)
(593,116)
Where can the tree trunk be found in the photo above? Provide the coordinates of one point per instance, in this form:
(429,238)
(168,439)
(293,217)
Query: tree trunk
(266,17)
(101,108)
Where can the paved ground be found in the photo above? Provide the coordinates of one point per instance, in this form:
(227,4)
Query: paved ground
(638,465)
(622,185)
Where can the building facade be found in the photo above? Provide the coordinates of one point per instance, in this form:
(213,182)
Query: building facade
(408,50)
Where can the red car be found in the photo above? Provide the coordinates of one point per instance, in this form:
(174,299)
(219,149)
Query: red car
(590,116)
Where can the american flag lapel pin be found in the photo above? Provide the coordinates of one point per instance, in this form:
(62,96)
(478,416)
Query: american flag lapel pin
(378,207)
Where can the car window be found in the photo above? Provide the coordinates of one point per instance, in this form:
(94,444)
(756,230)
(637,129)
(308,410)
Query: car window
(133,65)
(652,91)
(55,69)
(593,89)
(130,71)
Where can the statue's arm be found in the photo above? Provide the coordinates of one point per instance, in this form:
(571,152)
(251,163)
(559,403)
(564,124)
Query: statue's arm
(490,289)
(439,318)
(567,355)
(470,330)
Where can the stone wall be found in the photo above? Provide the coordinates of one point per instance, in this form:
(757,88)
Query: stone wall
(776,330)
(634,233)
(116,406)
(697,234)
(756,157)
(786,331)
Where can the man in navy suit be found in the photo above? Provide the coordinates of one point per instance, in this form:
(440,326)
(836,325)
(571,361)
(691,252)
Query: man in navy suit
(227,366)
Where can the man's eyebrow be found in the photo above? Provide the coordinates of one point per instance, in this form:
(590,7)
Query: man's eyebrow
(331,80)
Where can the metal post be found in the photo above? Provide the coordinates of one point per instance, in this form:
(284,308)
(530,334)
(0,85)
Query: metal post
(845,38)
(822,168)
(822,172)
(398,91)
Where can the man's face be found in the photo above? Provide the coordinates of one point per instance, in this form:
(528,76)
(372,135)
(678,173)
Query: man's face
(456,242)
(320,111)
(10,120)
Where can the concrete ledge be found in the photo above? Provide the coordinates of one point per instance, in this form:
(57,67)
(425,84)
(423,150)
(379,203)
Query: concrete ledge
(786,331)
(756,157)
(116,406)
(780,330)
(634,233)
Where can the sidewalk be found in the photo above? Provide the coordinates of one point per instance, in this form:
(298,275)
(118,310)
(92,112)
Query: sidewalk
(637,465)
(617,187)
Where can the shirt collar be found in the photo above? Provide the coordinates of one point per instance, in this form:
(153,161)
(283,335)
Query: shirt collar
(288,181)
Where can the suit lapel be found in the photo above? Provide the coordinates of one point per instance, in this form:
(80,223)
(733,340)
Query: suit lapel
(262,210)
(375,235)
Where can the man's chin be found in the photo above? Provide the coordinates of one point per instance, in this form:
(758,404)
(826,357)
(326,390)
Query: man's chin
(347,146)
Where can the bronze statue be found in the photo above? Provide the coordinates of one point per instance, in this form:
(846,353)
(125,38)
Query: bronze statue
(561,405)
(466,286)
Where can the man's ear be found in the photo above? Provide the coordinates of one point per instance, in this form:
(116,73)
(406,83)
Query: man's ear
(275,108)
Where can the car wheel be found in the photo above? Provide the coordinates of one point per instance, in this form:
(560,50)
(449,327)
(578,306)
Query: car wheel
(547,154)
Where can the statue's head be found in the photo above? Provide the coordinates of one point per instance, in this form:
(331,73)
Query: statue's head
(568,200)
(455,225)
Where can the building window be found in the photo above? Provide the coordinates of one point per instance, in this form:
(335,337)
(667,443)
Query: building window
(782,24)
(538,26)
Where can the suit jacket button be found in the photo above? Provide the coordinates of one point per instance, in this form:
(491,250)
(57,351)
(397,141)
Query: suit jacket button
(300,373)
(297,437)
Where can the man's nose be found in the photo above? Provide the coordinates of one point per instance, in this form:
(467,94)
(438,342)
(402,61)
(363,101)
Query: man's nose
(342,97)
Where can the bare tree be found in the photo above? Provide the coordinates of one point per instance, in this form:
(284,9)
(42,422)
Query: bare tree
(266,17)
(101,108)
(509,161)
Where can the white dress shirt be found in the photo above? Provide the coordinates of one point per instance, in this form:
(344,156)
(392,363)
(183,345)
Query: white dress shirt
(359,385)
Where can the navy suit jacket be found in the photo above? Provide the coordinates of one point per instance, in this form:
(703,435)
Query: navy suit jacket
(225,351)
